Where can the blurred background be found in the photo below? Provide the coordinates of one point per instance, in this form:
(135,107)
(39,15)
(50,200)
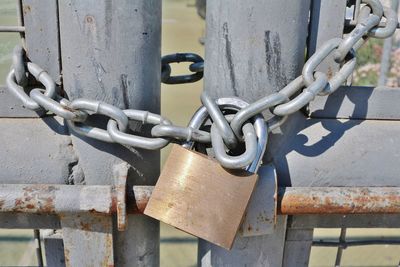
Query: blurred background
(183,31)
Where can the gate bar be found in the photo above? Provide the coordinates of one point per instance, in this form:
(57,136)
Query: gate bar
(62,199)
(315,200)
(12,29)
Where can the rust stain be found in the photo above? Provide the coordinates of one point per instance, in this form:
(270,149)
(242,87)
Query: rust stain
(118,202)
(137,206)
(67,256)
(114,204)
(108,256)
(36,199)
(340,201)
(30,206)
(85,226)
(26,9)
(89,19)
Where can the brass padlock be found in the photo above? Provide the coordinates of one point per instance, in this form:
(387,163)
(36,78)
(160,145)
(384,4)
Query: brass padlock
(194,193)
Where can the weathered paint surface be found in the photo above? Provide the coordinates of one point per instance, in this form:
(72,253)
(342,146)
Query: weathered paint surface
(35,151)
(120,177)
(56,199)
(260,217)
(141,195)
(107,59)
(243,40)
(339,200)
(88,240)
(77,199)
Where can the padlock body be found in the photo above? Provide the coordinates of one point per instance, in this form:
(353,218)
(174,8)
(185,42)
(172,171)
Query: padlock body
(195,194)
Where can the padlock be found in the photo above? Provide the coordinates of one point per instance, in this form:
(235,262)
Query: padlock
(260,216)
(194,193)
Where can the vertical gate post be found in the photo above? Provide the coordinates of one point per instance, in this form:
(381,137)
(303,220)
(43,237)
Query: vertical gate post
(387,51)
(111,52)
(253,48)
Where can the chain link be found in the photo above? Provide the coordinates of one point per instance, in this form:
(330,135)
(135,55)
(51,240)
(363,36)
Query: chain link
(226,130)
(196,67)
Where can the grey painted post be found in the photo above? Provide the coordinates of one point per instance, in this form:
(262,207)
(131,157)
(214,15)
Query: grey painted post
(253,48)
(111,52)
(42,35)
(49,145)
(326,22)
(387,51)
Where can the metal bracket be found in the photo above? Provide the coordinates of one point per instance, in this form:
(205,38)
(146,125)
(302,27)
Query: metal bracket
(260,217)
(120,177)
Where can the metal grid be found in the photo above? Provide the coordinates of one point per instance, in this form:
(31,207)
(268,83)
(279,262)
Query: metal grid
(343,243)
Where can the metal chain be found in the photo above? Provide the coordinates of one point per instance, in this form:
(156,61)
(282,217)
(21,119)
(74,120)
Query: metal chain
(196,67)
(226,130)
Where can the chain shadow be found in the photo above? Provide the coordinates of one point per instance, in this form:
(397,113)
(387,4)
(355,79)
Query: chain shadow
(335,127)
(143,173)
(56,125)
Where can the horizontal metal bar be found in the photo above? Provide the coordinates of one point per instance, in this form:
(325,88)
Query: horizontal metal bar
(354,243)
(319,200)
(62,199)
(12,220)
(311,221)
(339,200)
(56,199)
(12,29)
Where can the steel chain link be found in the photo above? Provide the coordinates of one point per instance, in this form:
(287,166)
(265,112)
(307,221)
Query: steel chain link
(196,67)
(226,130)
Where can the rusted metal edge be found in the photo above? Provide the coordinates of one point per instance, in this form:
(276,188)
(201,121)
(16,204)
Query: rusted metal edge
(318,200)
(120,176)
(102,199)
(338,200)
(56,199)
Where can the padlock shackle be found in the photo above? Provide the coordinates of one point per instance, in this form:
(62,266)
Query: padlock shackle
(261,129)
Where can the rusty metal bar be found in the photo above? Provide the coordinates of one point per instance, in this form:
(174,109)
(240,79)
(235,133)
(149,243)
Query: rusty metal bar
(103,199)
(314,200)
(57,199)
(338,200)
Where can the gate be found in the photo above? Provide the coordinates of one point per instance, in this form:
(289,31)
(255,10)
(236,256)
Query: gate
(78,157)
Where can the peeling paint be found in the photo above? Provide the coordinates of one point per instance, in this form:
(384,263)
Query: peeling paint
(340,200)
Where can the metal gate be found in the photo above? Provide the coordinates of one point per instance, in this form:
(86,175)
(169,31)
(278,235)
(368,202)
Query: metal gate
(336,156)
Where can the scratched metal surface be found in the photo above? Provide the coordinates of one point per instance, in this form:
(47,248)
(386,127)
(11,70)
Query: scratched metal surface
(177,248)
